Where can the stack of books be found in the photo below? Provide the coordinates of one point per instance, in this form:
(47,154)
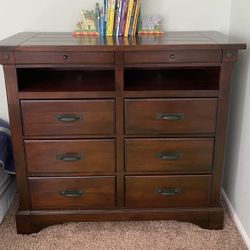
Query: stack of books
(118,17)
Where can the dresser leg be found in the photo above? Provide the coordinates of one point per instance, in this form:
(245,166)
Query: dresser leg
(23,222)
(216,220)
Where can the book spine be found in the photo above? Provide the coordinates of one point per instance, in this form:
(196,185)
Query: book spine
(101,22)
(120,16)
(139,22)
(137,11)
(132,19)
(111,18)
(107,16)
(123,17)
(117,17)
(97,17)
(129,12)
(104,17)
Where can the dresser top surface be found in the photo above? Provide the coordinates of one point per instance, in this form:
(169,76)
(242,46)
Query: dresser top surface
(51,41)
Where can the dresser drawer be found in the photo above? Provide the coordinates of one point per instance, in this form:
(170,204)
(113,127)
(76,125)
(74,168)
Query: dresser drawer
(170,155)
(170,116)
(65,57)
(167,191)
(69,156)
(193,56)
(72,193)
(86,117)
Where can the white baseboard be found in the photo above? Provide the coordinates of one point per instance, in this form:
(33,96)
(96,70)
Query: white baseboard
(236,220)
(7,198)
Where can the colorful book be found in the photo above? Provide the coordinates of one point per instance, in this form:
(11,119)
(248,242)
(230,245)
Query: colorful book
(129,12)
(97,17)
(117,17)
(123,17)
(101,22)
(136,17)
(132,18)
(111,17)
(105,17)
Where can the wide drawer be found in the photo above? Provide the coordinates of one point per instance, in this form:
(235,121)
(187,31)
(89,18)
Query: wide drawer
(170,155)
(79,117)
(65,57)
(167,191)
(72,193)
(69,156)
(193,56)
(170,116)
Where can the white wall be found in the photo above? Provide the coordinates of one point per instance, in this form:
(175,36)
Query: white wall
(237,169)
(61,15)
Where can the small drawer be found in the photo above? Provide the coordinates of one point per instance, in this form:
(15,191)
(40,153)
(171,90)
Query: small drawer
(170,116)
(170,155)
(79,117)
(193,56)
(65,57)
(72,193)
(167,191)
(69,156)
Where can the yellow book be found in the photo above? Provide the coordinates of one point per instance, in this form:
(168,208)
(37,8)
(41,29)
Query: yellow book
(111,17)
(137,11)
(130,9)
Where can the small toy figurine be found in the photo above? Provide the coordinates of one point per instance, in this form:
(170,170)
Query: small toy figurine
(87,24)
(151,25)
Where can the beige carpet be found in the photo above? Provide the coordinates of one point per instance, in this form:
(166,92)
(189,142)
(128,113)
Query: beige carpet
(121,235)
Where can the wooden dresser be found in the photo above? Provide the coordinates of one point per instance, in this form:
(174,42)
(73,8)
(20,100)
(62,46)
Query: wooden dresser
(118,129)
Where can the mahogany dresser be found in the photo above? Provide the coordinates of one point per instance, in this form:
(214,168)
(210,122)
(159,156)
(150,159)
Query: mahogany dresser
(118,129)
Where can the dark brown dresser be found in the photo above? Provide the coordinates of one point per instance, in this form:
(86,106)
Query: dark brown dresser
(118,129)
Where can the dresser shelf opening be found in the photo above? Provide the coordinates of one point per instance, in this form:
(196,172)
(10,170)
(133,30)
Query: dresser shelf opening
(179,78)
(65,79)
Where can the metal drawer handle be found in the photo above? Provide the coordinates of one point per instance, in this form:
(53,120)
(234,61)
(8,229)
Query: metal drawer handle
(169,155)
(68,118)
(72,193)
(65,57)
(172,56)
(6,57)
(168,191)
(170,116)
(69,157)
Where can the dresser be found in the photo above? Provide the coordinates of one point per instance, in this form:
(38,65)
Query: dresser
(113,129)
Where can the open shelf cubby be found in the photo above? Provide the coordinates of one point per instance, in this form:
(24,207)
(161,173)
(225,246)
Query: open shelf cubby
(65,79)
(155,79)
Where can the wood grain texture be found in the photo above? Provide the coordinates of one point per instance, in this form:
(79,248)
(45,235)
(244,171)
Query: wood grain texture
(139,122)
(143,191)
(169,155)
(16,135)
(221,129)
(146,116)
(69,156)
(97,192)
(172,57)
(207,218)
(119,128)
(93,117)
(63,41)
(65,57)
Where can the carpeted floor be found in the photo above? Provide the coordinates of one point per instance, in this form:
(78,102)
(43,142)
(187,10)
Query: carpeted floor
(121,235)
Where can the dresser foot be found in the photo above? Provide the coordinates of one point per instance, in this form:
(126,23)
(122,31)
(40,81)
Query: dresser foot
(216,220)
(33,222)
(24,224)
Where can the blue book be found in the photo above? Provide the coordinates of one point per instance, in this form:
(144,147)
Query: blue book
(102,23)
(105,16)
(99,23)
